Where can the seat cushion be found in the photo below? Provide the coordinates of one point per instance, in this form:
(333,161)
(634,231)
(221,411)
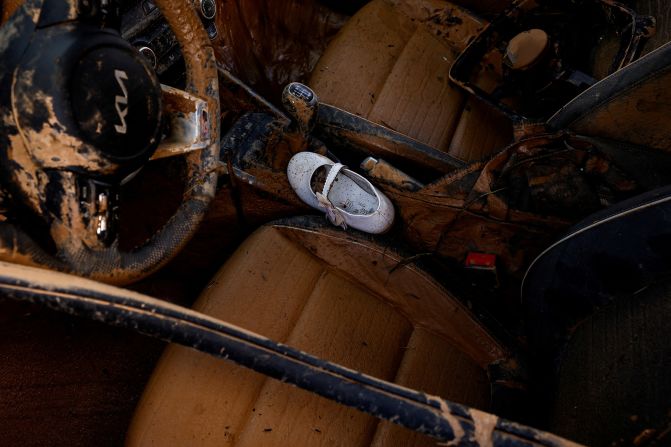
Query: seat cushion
(277,288)
(390,64)
(614,375)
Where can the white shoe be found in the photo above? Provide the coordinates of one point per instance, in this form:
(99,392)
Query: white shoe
(347,198)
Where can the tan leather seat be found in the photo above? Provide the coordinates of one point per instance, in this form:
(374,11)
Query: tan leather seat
(390,64)
(333,297)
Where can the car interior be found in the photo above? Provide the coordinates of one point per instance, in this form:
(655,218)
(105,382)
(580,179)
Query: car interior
(523,144)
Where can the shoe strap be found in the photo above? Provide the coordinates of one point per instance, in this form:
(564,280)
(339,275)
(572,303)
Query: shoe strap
(330,178)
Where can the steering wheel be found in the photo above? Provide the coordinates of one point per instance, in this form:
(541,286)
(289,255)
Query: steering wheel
(80,111)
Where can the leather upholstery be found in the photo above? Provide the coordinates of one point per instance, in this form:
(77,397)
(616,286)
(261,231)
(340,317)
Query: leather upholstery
(390,64)
(276,287)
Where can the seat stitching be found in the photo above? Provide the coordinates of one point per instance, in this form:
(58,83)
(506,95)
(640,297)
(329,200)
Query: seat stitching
(264,382)
(386,79)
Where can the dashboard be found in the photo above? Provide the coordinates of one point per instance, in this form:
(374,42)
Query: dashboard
(145,28)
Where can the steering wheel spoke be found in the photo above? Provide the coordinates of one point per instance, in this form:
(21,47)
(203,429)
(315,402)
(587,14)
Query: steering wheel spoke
(188,120)
(83,211)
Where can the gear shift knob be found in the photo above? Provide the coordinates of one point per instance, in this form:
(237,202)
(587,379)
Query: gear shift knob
(302,104)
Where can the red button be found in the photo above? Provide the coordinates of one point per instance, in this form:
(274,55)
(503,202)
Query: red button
(483,260)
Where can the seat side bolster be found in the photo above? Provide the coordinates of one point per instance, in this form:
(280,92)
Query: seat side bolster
(406,287)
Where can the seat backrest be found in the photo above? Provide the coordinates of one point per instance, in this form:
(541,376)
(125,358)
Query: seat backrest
(390,64)
(332,295)
(597,311)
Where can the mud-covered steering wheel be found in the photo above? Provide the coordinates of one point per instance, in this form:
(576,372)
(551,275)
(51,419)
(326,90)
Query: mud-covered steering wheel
(81,110)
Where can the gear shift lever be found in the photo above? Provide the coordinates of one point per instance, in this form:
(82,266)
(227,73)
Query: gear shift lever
(302,104)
